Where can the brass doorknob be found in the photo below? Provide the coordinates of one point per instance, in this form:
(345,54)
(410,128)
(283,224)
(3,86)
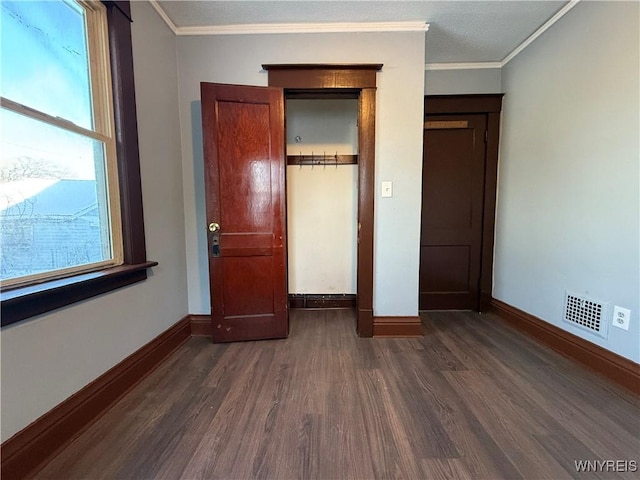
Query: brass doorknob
(214,227)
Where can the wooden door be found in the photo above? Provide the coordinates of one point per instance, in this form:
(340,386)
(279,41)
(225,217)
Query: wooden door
(243,133)
(452,208)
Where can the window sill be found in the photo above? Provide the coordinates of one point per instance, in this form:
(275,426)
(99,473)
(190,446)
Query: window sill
(24,302)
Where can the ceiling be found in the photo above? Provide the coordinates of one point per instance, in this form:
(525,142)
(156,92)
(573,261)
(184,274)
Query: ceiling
(459,31)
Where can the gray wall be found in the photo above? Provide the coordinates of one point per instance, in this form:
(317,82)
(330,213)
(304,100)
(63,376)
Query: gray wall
(462,81)
(568,190)
(238,59)
(48,358)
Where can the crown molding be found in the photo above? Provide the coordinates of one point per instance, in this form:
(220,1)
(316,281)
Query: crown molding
(164,16)
(462,66)
(559,14)
(267,28)
(483,65)
(274,28)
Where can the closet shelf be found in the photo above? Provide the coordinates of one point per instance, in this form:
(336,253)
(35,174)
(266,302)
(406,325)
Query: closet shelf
(325,160)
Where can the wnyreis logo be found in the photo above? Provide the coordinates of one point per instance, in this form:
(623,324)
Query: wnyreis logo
(606,466)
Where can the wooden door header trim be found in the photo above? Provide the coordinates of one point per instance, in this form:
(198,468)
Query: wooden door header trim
(313,76)
(322,66)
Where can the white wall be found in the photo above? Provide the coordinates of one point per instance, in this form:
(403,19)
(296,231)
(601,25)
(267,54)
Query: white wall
(48,358)
(463,81)
(322,126)
(568,197)
(322,212)
(322,201)
(238,59)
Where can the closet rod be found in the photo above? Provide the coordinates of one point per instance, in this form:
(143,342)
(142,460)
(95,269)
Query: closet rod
(327,160)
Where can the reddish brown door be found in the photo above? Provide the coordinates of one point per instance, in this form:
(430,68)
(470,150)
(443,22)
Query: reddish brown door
(243,132)
(452,206)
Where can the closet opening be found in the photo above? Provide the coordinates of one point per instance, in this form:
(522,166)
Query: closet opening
(344,81)
(321,129)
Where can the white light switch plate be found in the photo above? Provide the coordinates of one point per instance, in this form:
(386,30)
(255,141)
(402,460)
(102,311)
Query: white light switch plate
(621,317)
(387,189)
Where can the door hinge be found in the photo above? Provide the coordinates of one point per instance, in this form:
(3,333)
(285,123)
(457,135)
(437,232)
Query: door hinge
(486,136)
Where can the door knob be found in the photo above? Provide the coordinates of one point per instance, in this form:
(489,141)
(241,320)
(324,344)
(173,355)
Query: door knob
(214,227)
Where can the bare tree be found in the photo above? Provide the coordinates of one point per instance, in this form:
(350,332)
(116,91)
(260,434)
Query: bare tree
(22,168)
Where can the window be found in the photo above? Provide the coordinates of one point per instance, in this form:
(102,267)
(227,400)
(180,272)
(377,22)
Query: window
(58,168)
(71,223)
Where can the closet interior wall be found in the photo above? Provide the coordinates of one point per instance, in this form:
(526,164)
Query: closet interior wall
(322,195)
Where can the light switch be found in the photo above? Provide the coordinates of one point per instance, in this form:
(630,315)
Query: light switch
(387,189)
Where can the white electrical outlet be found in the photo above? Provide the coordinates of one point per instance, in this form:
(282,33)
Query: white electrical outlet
(621,317)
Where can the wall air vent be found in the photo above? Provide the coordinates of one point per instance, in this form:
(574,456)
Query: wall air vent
(587,313)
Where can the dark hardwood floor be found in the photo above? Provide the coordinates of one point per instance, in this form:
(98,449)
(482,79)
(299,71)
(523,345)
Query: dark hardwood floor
(472,399)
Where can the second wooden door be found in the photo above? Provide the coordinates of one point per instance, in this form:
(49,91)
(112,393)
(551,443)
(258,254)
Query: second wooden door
(452,209)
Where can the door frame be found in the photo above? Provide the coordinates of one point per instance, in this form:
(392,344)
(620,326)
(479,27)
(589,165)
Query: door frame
(325,78)
(491,106)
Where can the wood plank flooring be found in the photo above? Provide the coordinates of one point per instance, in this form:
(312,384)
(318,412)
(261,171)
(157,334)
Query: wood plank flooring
(473,399)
